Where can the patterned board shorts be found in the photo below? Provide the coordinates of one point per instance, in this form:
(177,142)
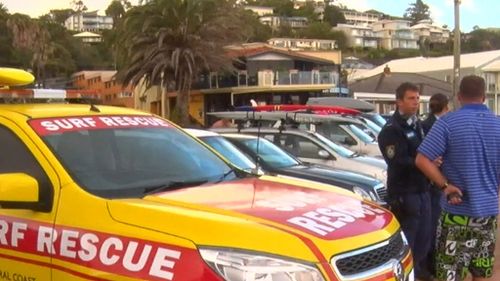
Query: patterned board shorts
(465,244)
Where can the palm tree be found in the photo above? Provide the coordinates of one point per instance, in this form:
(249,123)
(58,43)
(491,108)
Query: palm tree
(32,36)
(171,42)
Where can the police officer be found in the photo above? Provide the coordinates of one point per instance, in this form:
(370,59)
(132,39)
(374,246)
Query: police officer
(408,188)
(438,105)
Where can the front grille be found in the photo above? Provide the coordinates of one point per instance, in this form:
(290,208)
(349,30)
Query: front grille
(382,192)
(361,261)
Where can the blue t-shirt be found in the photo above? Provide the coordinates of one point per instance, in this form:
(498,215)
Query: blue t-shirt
(469,142)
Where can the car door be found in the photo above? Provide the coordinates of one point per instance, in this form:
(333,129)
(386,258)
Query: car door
(303,148)
(338,133)
(22,257)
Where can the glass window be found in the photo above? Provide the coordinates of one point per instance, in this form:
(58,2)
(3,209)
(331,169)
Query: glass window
(297,145)
(362,132)
(270,154)
(336,133)
(126,162)
(15,157)
(231,152)
(336,147)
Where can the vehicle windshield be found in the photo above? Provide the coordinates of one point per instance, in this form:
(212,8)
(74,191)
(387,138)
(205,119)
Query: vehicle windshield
(339,149)
(362,132)
(372,125)
(231,152)
(377,118)
(129,161)
(268,152)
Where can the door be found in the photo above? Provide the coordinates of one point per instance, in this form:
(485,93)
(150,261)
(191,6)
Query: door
(303,148)
(22,255)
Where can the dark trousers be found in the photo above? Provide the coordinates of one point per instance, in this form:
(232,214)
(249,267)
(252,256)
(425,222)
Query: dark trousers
(413,211)
(436,195)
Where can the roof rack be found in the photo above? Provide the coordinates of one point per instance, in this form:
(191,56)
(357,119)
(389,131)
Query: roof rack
(48,96)
(318,109)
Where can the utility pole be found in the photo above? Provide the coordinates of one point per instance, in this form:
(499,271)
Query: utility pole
(456,55)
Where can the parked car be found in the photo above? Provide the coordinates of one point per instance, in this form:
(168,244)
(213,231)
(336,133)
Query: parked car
(312,147)
(226,149)
(347,131)
(273,159)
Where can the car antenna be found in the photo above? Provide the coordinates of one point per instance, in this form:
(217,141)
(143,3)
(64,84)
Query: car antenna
(257,162)
(93,107)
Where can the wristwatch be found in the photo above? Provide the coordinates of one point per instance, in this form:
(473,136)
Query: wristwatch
(445,185)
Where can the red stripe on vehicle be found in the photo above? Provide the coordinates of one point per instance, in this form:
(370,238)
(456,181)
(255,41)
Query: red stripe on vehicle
(104,252)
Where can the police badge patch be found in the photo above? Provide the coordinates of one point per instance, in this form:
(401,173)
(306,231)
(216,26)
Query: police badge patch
(390,151)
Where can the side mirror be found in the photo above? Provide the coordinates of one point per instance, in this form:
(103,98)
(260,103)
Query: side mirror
(18,191)
(323,154)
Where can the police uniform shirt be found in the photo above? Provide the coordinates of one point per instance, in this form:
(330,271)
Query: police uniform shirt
(398,141)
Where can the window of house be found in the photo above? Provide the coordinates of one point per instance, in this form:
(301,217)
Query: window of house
(16,158)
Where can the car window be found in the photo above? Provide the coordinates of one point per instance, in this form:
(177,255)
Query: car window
(270,153)
(124,162)
(231,152)
(298,146)
(343,151)
(336,133)
(372,125)
(15,157)
(362,132)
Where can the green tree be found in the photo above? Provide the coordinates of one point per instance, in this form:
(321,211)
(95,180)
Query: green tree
(417,11)
(308,10)
(323,30)
(333,15)
(482,40)
(61,15)
(281,7)
(174,41)
(253,30)
(117,10)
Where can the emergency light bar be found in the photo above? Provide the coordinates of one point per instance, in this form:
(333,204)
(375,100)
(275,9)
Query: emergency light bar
(48,94)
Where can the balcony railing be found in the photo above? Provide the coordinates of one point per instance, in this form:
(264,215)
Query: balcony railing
(268,78)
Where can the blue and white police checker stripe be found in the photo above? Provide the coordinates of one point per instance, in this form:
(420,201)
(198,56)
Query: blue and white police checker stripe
(469,141)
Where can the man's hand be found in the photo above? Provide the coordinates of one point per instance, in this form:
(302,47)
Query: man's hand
(453,194)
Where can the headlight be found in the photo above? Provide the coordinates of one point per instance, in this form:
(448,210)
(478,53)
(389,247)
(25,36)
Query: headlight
(363,193)
(235,266)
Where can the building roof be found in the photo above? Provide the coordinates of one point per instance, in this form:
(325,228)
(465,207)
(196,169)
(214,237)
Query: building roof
(427,64)
(105,74)
(255,49)
(492,67)
(87,34)
(387,83)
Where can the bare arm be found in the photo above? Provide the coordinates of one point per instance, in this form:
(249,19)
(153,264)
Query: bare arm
(431,171)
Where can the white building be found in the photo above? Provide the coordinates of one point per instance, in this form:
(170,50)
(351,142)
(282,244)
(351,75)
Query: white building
(277,21)
(359,35)
(303,43)
(395,34)
(427,30)
(88,37)
(486,64)
(359,18)
(260,10)
(88,21)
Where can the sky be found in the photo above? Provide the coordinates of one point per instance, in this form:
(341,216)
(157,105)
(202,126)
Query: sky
(483,13)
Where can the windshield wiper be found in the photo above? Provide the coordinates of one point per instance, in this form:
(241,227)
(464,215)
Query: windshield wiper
(224,176)
(172,186)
